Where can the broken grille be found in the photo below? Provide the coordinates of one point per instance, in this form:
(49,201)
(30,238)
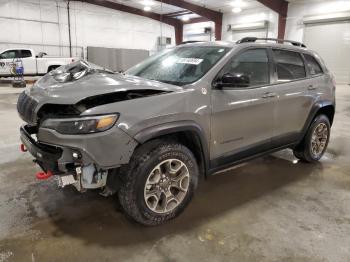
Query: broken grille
(26,108)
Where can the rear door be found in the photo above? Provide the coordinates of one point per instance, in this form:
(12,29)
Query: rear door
(320,81)
(29,61)
(242,117)
(294,103)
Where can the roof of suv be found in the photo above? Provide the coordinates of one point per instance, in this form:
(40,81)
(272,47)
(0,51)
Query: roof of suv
(252,42)
(263,42)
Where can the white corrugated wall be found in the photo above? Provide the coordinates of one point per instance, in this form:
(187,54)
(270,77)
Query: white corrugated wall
(43,26)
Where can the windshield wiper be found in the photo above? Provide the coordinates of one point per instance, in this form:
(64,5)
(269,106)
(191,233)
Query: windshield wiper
(170,82)
(161,81)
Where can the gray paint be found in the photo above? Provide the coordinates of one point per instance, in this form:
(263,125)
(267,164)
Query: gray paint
(230,119)
(103,148)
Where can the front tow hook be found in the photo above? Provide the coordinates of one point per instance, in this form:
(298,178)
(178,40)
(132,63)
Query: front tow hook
(23,148)
(43,175)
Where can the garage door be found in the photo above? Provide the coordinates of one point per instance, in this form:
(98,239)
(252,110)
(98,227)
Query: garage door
(237,35)
(197,37)
(332,42)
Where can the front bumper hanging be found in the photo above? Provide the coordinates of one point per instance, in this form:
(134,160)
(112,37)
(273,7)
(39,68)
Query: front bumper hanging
(45,156)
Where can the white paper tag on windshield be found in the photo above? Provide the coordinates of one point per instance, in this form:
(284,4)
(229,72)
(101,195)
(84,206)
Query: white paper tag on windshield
(188,60)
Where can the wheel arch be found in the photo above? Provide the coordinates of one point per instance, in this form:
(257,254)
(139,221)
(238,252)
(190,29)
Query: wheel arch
(328,110)
(321,107)
(188,133)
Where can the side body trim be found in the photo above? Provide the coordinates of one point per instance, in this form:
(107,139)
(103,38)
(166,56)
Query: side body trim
(232,158)
(266,147)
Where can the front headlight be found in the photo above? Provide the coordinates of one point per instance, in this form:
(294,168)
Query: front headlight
(81,125)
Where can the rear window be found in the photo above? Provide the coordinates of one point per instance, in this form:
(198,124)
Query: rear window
(312,65)
(290,65)
(25,53)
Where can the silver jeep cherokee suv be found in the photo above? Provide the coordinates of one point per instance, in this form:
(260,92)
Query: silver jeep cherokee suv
(149,133)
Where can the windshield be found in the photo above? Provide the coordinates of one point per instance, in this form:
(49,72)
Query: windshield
(179,66)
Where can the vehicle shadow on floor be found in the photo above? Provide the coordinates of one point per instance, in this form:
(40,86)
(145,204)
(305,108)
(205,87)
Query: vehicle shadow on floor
(96,220)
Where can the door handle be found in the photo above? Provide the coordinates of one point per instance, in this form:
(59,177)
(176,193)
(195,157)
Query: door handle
(269,94)
(311,87)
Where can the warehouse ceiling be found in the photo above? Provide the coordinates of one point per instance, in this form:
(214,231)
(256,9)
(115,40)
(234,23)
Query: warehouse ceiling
(179,12)
(156,7)
(223,6)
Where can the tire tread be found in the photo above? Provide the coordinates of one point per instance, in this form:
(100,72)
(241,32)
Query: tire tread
(302,151)
(127,193)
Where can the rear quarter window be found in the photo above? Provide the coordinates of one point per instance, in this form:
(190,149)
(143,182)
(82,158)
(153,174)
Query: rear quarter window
(290,65)
(312,65)
(25,53)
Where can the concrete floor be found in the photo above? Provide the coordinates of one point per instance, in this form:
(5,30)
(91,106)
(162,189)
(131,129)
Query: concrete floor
(270,209)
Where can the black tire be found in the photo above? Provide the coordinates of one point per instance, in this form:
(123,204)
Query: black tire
(304,150)
(297,154)
(135,175)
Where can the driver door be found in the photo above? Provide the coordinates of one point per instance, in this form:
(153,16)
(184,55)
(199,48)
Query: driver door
(243,116)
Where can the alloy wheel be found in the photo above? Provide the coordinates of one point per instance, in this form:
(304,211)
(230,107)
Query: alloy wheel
(166,186)
(319,139)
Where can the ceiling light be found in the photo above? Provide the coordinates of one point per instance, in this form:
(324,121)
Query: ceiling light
(148,2)
(147,8)
(185,18)
(237,3)
(237,10)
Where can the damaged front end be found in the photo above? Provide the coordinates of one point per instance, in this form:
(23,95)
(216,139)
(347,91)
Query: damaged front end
(68,165)
(79,149)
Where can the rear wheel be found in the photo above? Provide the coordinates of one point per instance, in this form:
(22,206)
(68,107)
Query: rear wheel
(315,143)
(159,182)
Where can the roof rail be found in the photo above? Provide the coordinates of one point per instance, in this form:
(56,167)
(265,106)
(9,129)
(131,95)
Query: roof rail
(191,42)
(254,39)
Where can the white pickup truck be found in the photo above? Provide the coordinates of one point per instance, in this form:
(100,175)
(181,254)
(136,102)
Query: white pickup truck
(33,64)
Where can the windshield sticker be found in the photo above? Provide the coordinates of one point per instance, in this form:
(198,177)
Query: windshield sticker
(188,60)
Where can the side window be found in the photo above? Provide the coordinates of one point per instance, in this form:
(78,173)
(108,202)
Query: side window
(25,53)
(9,54)
(312,64)
(254,64)
(290,65)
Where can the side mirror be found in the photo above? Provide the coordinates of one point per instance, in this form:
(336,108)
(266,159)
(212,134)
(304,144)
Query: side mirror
(233,80)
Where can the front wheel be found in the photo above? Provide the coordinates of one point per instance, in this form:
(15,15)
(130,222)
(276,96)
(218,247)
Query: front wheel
(159,182)
(315,143)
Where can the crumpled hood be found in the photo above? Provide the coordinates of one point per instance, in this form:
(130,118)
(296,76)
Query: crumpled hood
(48,90)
